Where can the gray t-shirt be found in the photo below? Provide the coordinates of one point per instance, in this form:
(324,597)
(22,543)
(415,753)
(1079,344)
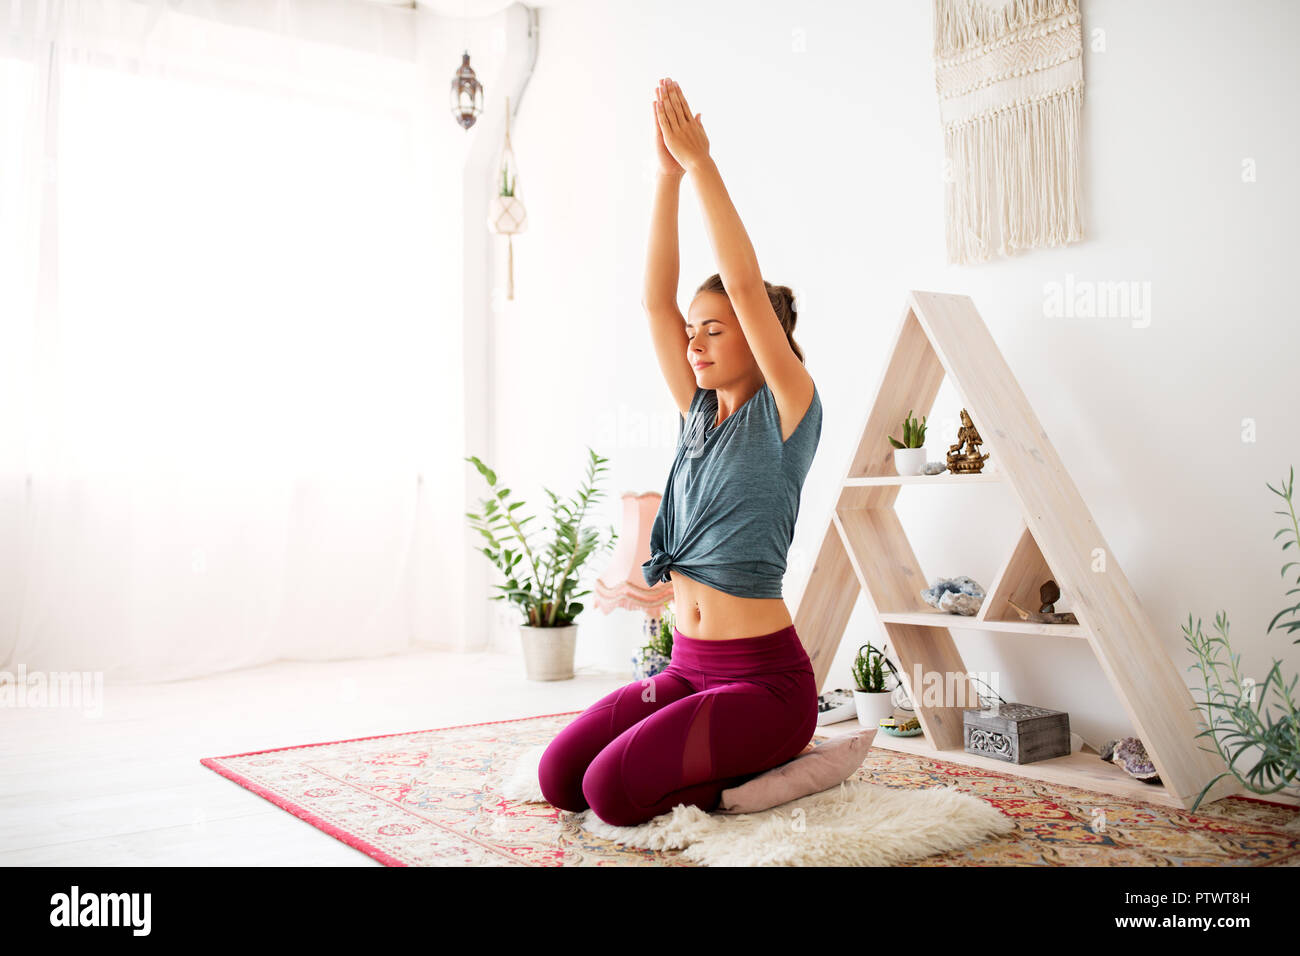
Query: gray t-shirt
(728,511)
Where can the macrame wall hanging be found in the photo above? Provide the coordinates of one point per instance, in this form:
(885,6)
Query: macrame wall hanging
(506,213)
(1009,74)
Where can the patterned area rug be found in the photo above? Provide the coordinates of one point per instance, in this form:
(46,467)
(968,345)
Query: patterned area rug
(433,798)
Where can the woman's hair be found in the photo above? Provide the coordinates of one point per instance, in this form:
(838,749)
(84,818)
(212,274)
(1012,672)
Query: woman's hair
(781,297)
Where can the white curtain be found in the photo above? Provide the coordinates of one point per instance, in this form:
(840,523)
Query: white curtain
(224,385)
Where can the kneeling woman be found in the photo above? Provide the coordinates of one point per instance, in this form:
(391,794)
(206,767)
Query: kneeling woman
(739,696)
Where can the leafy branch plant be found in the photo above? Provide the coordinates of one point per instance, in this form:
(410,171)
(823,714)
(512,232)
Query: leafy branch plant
(913,433)
(1233,703)
(544,591)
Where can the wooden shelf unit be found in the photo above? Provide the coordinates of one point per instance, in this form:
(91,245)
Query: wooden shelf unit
(865,550)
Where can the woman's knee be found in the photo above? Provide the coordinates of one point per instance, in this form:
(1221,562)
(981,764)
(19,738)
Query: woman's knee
(627,781)
(565,760)
(559,775)
(566,764)
(605,792)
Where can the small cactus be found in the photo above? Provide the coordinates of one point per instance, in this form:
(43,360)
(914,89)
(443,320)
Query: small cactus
(913,433)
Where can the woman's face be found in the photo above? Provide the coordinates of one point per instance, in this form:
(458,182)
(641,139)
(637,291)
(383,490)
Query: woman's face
(715,343)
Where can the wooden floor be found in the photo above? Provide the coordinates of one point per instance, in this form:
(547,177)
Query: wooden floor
(127,788)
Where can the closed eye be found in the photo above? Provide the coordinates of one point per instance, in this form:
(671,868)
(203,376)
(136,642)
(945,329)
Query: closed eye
(711,335)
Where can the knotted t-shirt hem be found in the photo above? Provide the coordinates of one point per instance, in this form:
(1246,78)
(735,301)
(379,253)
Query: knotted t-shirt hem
(738,585)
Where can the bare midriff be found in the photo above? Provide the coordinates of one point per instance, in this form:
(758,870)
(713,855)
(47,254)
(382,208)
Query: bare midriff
(711,615)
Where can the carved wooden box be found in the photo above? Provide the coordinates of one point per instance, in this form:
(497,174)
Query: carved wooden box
(1016,733)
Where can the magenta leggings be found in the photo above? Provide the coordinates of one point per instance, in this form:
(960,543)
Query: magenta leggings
(722,712)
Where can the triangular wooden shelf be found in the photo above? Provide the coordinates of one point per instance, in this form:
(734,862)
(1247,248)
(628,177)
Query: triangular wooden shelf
(865,550)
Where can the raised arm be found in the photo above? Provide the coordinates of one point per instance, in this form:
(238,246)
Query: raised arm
(791,385)
(659,299)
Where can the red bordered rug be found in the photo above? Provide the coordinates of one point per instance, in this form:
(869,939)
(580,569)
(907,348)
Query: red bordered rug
(433,798)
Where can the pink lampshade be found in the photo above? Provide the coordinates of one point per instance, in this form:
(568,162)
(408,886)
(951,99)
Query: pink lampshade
(622,584)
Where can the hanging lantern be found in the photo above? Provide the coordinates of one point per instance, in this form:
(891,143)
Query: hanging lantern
(506,212)
(466,94)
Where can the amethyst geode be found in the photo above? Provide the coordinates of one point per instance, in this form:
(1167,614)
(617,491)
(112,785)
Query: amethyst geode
(1128,752)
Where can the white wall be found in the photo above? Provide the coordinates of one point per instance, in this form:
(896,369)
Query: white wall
(833,157)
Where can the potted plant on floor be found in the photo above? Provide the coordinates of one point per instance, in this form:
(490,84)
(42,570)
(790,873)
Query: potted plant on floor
(909,454)
(543,588)
(871,694)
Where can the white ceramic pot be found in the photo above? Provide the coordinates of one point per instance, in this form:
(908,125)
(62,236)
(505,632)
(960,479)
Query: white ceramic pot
(873,707)
(548,651)
(909,461)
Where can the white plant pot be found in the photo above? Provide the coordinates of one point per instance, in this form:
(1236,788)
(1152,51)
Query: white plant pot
(909,461)
(548,651)
(873,708)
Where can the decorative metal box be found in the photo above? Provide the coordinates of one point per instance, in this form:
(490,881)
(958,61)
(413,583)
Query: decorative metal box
(1016,733)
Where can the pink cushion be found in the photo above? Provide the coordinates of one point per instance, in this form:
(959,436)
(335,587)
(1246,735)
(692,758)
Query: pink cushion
(827,765)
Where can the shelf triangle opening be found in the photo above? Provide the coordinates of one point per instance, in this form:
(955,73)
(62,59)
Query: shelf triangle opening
(910,383)
(1020,579)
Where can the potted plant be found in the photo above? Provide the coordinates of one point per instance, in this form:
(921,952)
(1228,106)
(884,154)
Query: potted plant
(543,588)
(658,651)
(909,454)
(871,695)
(1234,702)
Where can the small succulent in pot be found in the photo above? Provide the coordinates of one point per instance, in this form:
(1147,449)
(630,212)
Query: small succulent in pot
(913,433)
(909,454)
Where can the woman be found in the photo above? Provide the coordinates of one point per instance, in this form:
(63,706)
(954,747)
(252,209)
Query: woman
(739,696)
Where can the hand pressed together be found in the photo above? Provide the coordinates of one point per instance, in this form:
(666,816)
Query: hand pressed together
(680,134)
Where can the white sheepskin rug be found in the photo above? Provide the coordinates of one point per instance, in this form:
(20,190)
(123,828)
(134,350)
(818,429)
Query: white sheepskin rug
(854,824)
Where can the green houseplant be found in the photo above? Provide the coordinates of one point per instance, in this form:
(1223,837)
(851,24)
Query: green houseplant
(871,694)
(1233,702)
(543,589)
(909,454)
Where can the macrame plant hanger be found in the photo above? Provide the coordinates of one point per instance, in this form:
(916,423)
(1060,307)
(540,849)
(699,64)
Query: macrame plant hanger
(506,213)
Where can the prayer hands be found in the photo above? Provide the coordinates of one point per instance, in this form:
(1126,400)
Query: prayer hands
(681,133)
(667,163)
